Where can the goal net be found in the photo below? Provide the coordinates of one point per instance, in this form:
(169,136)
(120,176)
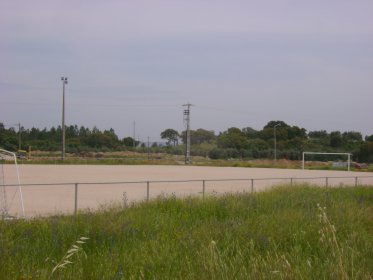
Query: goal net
(347,164)
(11,199)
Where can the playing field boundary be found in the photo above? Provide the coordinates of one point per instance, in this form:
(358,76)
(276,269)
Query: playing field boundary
(200,187)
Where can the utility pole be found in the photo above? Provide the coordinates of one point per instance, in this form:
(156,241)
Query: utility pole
(134,134)
(64,82)
(148,147)
(187,124)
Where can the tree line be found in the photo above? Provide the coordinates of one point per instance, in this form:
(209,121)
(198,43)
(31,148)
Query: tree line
(77,139)
(291,141)
(236,143)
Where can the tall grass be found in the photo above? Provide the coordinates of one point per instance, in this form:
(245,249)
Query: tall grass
(286,233)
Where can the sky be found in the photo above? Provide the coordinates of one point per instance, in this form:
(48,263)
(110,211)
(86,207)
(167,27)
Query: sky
(131,65)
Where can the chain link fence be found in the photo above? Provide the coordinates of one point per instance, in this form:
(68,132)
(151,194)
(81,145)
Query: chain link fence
(68,198)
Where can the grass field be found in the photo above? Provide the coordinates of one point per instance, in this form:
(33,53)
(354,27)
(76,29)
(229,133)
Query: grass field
(286,233)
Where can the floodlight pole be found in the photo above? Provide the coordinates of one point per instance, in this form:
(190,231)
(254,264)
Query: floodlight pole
(64,82)
(274,132)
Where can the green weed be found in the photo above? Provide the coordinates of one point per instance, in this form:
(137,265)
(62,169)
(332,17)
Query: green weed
(284,233)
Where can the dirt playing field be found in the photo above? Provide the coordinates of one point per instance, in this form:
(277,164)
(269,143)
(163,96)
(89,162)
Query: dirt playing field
(53,199)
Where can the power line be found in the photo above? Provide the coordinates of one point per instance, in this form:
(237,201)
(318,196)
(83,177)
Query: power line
(231,111)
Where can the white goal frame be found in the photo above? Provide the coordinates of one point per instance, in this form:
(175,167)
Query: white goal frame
(320,153)
(12,156)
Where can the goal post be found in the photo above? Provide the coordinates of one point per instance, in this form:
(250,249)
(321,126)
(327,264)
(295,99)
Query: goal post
(11,158)
(321,153)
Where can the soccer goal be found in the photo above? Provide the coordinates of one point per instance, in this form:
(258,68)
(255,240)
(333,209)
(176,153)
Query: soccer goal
(319,153)
(10,185)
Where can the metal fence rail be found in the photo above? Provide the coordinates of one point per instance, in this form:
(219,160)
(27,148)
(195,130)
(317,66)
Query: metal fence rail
(251,184)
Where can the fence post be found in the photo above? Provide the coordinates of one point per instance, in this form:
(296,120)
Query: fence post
(203,188)
(326,182)
(147,190)
(356,181)
(76,199)
(291,182)
(252,185)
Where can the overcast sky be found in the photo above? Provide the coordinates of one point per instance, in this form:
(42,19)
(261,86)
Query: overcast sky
(241,63)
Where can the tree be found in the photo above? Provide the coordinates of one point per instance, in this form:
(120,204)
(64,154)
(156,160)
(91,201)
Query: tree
(154,145)
(129,142)
(83,132)
(365,153)
(352,136)
(296,132)
(199,136)
(268,133)
(72,131)
(8,138)
(171,135)
(369,138)
(335,139)
(272,124)
(318,134)
(250,132)
(258,145)
(283,131)
(233,138)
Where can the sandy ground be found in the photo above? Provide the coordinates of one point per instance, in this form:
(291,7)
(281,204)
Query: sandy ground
(53,199)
